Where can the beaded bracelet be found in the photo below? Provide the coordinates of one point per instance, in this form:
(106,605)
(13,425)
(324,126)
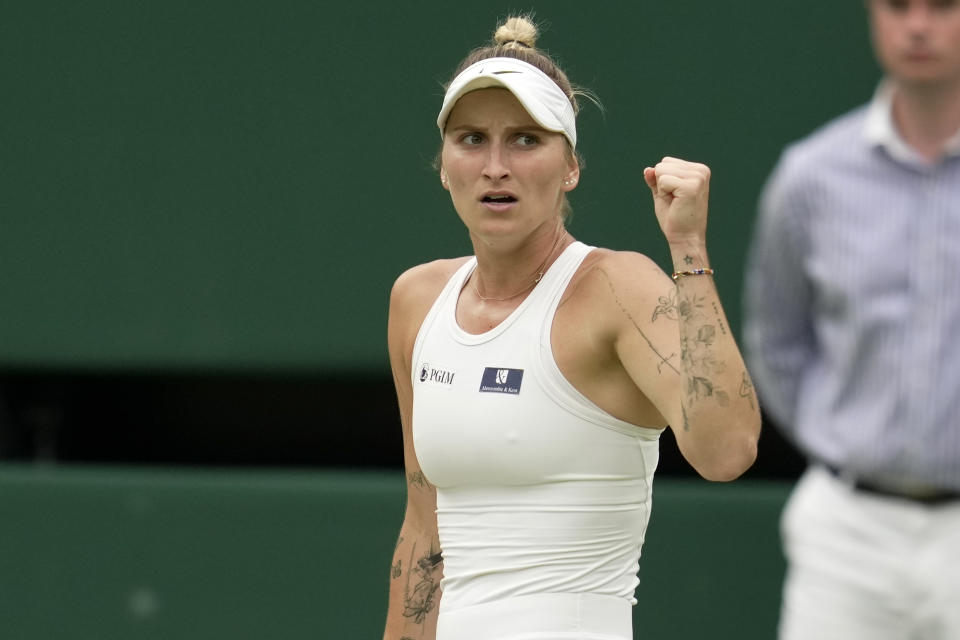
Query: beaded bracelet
(693,272)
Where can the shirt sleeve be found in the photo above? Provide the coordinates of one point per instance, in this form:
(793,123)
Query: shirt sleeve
(779,336)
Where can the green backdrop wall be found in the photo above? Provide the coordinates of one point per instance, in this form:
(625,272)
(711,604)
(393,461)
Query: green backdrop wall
(236,184)
(123,554)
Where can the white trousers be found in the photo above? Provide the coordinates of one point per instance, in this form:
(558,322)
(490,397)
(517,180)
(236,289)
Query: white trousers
(868,567)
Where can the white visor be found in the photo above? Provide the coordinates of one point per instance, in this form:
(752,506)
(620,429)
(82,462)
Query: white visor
(540,96)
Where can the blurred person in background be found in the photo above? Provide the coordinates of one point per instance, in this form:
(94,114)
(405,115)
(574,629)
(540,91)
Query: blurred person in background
(852,304)
(535,377)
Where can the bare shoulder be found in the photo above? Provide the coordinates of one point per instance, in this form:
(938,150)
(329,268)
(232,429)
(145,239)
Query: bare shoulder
(605,271)
(420,285)
(413,293)
(630,262)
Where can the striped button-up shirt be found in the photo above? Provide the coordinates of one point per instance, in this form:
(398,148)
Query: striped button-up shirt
(852,317)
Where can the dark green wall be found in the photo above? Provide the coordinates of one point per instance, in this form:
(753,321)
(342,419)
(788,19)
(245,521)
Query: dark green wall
(235,185)
(127,554)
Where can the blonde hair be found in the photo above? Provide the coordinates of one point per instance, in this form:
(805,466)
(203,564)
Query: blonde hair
(517,38)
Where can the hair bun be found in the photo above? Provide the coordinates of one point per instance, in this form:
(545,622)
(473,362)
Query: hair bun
(518,30)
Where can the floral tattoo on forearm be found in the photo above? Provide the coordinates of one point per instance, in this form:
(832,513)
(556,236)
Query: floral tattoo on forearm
(697,336)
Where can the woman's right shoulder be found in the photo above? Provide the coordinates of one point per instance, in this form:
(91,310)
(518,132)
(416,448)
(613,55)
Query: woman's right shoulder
(411,298)
(422,284)
(415,291)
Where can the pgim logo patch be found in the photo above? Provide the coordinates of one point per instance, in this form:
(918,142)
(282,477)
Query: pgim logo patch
(430,374)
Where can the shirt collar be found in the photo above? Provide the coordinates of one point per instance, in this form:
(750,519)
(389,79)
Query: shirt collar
(881,131)
(952,147)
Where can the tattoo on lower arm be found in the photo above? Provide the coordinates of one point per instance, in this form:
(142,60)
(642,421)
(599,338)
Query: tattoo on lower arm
(719,316)
(697,335)
(746,390)
(697,353)
(420,599)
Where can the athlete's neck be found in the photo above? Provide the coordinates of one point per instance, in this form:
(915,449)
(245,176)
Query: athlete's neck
(505,274)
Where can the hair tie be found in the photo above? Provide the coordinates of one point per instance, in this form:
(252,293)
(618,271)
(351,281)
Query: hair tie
(522,44)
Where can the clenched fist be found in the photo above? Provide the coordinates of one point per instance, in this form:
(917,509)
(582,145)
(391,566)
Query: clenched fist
(680,193)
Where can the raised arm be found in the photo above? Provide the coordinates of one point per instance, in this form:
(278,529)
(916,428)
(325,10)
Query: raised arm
(417,565)
(719,421)
(673,339)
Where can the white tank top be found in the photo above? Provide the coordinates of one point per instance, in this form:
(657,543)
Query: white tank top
(539,491)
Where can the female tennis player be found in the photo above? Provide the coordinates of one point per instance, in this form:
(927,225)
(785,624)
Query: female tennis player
(535,377)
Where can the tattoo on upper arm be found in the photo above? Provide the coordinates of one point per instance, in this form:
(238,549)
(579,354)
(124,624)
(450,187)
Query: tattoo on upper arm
(420,599)
(663,360)
(674,309)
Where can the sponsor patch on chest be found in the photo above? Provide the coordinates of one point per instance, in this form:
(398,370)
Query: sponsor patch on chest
(497,380)
(435,375)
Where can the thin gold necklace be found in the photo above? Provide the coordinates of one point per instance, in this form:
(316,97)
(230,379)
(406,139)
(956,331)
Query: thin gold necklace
(540,271)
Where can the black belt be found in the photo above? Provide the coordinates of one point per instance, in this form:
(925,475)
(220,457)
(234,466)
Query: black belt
(927,496)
